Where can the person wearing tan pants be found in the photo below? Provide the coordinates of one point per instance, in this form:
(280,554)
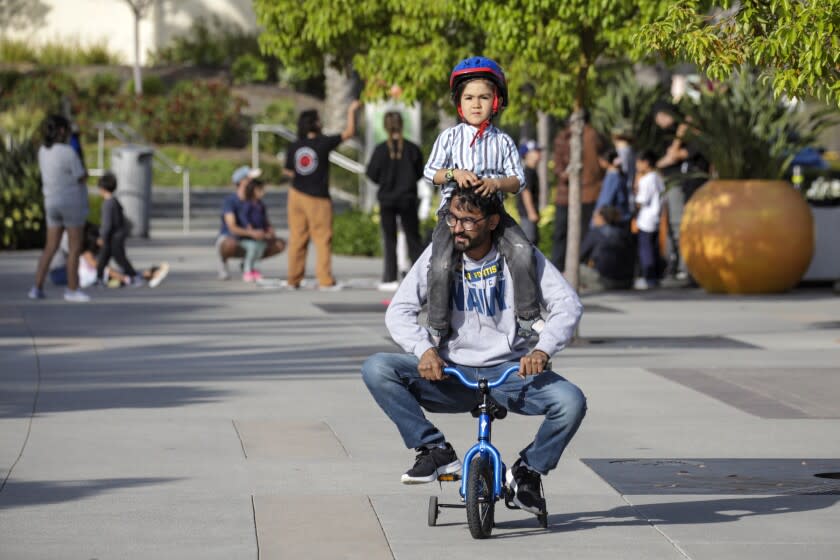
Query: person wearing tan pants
(309,206)
(310,217)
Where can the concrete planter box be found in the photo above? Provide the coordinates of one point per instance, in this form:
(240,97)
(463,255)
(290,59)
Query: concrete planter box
(826,262)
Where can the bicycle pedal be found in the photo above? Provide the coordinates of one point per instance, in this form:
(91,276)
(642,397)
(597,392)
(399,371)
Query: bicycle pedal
(450,477)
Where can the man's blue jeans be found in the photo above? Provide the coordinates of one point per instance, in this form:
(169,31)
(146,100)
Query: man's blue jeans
(396,385)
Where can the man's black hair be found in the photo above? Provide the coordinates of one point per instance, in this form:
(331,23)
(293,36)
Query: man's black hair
(609,154)
(468,199)
(308,122)
(55,129)
(108,182)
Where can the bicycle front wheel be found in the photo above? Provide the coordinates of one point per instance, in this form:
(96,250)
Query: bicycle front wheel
(479,499)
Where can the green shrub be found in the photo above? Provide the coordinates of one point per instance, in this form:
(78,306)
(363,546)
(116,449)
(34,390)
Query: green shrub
(22,224)
(152,85)
(71,52)
(282,112)
(21,123)
(356,233)
(249,69)
(16,50)
(39,89)
(103,84)
(210,43)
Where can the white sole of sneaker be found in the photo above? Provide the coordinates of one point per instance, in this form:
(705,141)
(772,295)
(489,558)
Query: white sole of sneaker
(451,468)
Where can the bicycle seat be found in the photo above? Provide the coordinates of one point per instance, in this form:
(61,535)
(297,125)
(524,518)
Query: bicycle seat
(495,410)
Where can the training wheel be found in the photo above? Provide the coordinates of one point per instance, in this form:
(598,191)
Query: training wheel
(433,511)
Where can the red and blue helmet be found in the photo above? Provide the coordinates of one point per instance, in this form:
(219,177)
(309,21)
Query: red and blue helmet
(479,67)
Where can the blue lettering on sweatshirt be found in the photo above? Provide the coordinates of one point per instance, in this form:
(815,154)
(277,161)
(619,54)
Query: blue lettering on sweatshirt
(485,290)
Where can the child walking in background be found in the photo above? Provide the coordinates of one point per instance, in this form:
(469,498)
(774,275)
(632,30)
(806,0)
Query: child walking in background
(476,154)
(254,219)
(649,206)
(113,231)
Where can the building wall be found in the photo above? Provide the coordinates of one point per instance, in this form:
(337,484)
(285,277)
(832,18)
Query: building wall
(92,21)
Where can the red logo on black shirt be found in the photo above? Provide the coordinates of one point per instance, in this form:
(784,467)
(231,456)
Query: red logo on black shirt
(306,161)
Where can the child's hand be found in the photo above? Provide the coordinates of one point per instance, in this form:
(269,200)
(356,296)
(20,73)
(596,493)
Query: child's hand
(466,179)
(487,187)
(99,242)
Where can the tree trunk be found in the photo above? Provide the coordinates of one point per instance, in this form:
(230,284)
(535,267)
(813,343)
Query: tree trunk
(574,224)
(138,79)
(544,140)
(339,87)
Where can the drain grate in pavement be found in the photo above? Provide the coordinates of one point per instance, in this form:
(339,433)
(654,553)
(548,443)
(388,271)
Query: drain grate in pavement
(664,342)
(352,307)
(719,476)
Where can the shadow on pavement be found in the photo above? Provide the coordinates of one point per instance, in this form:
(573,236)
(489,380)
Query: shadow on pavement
(21,494)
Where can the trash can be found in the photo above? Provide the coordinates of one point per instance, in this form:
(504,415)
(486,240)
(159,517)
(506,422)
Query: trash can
(132,165)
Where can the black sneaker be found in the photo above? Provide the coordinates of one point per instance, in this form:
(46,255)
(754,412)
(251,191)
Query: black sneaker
(429,463)
(526,486)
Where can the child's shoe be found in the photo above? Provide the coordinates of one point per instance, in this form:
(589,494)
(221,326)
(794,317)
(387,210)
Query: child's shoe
(256,275)
(248,277)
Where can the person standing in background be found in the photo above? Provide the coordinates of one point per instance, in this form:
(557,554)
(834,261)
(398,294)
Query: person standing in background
(528,202)
(310,211)
(396,165)
(65,205)
(590,186)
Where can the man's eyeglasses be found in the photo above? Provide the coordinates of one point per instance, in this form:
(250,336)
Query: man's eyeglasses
(467,223)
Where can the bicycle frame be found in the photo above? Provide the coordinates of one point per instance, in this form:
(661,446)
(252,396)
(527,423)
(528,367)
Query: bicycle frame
(483,446)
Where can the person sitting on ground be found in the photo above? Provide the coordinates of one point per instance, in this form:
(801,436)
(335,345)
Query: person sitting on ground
(475,154)
(254,218)
(607,253)
(614,191)
(488,342)
(228,241)
(153,275)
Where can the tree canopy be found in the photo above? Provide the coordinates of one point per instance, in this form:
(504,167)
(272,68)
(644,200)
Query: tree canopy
(796,43)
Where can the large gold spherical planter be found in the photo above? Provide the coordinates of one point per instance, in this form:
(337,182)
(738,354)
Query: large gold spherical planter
(747,237)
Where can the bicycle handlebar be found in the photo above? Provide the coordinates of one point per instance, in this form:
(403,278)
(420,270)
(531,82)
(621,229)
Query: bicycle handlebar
(474,384)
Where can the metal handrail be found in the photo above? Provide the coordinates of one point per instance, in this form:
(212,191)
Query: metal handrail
(127,135)
(336,158)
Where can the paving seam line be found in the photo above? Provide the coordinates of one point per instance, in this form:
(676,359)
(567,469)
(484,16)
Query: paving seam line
(381,528)
(34,404)
(656,527)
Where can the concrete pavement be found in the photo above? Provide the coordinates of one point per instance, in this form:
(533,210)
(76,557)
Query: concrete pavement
(208,419)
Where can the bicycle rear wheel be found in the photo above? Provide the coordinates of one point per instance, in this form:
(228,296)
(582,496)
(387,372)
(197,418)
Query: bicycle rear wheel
(480,501)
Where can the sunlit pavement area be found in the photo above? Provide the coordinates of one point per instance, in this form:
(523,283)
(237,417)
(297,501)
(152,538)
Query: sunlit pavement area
(208,419)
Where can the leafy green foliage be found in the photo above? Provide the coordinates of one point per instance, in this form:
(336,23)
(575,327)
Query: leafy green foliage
(249,69)
(626,104)
(22,223)
(209,43)
(748,134)
(58,52)
(152,85)
(796,44)
(356,233)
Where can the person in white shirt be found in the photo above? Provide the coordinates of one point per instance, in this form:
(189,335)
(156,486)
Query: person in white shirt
(649,206)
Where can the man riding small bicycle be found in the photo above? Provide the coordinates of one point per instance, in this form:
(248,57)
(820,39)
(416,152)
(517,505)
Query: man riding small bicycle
(483,342)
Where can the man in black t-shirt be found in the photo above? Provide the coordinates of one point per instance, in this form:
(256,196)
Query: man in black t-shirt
(309,206)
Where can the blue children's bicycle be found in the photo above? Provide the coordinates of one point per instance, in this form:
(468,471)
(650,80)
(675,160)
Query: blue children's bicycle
(483,479)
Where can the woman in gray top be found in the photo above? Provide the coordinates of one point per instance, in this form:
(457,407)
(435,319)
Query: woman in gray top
(65,205)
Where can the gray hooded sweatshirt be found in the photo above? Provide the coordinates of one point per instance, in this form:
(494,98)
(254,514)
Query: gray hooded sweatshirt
(483,324)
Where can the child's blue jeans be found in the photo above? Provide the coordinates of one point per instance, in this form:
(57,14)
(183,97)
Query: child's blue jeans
(396,385)
(519,258)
